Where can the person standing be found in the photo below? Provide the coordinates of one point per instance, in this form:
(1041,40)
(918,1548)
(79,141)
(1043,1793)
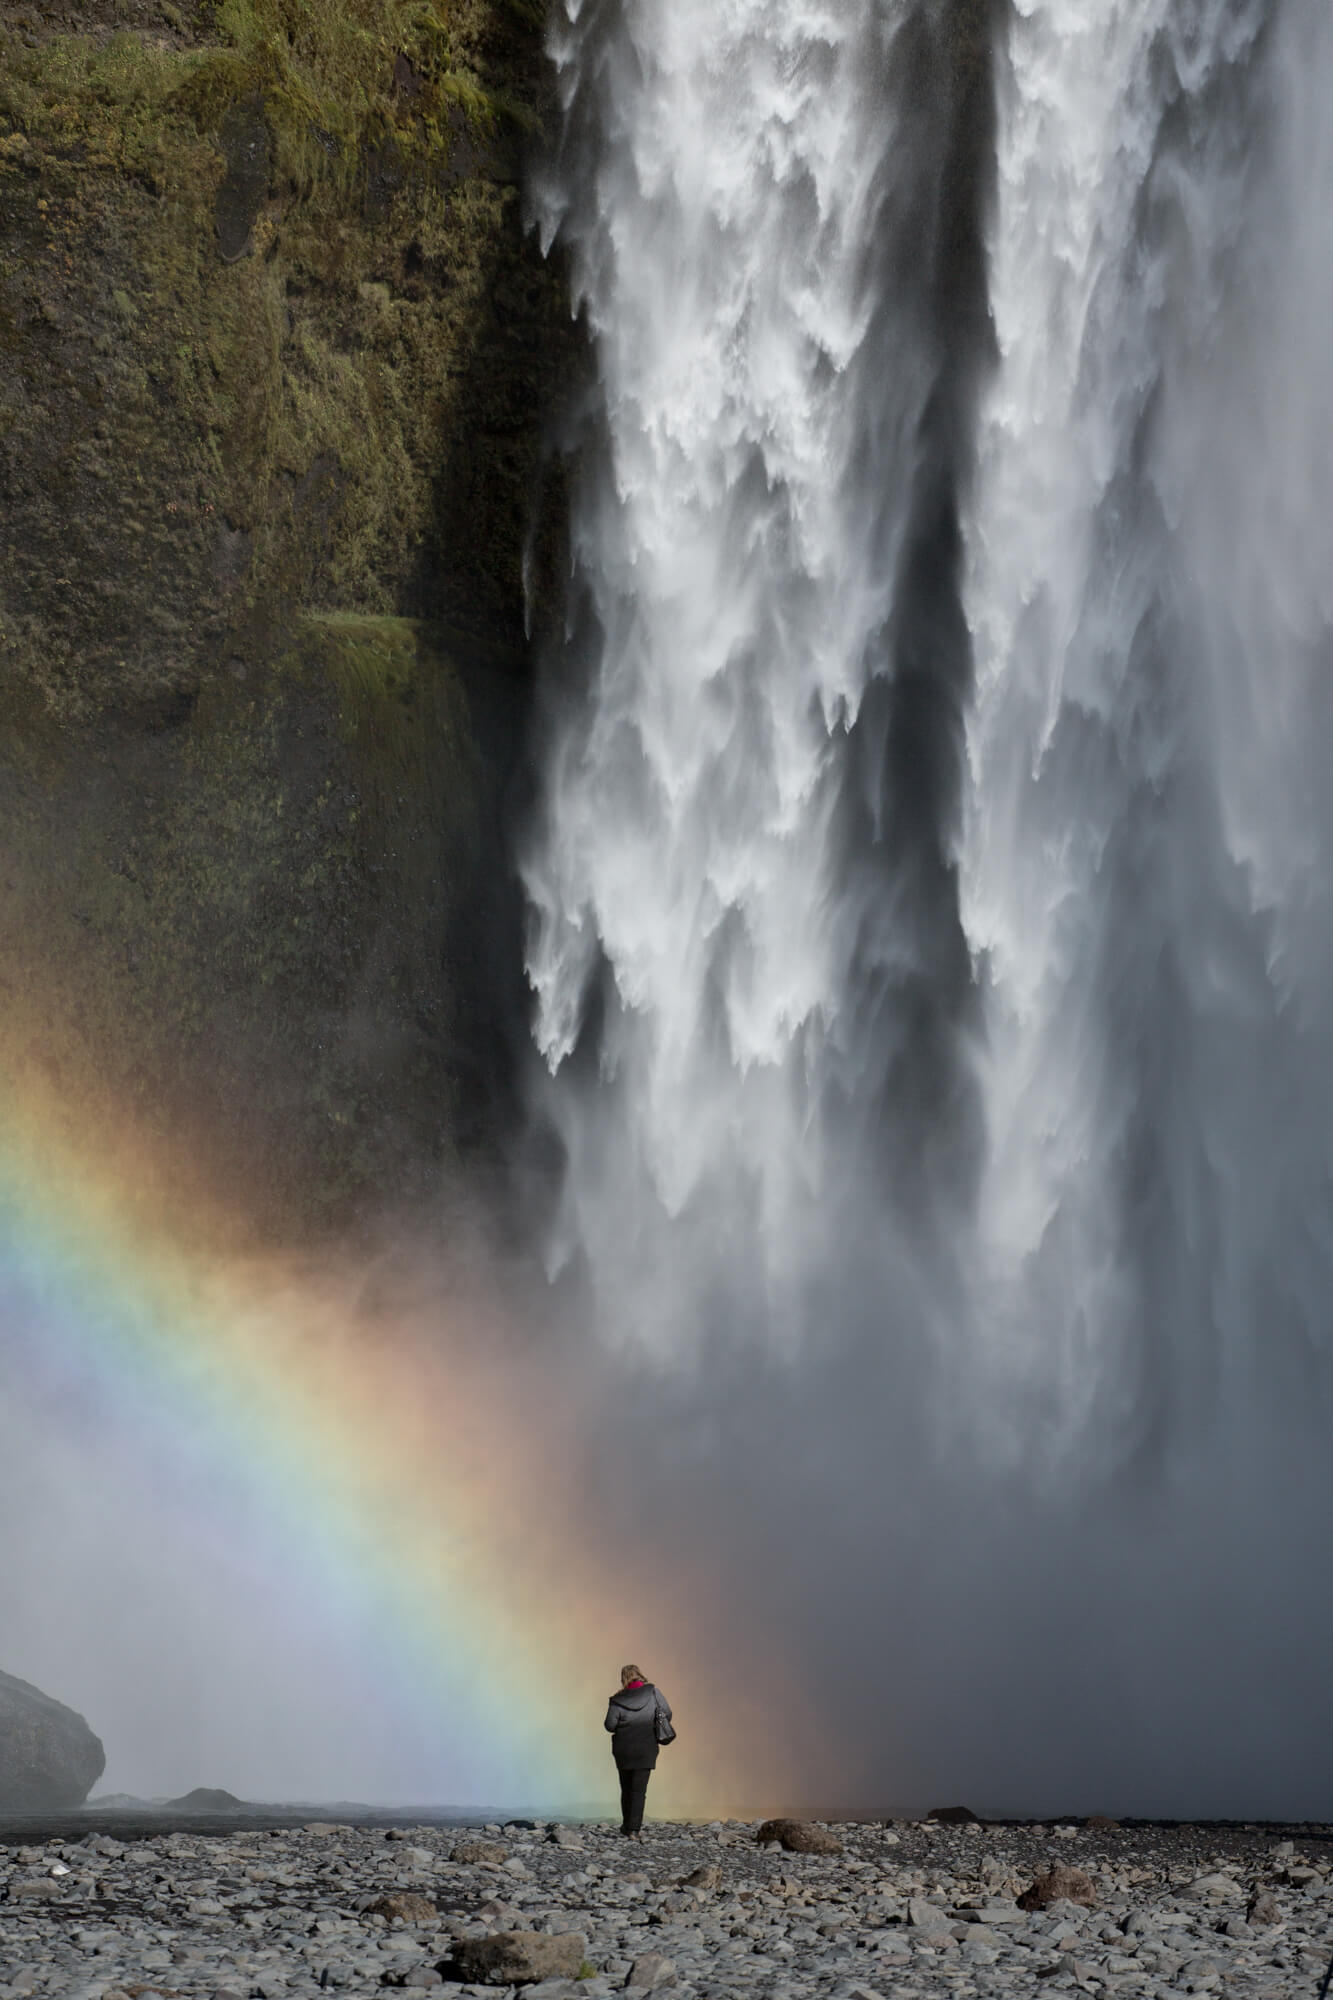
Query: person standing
(639,1719)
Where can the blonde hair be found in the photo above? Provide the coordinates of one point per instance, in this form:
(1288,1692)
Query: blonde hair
(628,1674)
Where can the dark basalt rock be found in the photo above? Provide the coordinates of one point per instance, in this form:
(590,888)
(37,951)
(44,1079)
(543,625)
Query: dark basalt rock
(49,1757)
(245,142)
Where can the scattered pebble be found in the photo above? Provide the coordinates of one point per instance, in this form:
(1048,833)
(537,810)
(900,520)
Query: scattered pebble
(910,1912)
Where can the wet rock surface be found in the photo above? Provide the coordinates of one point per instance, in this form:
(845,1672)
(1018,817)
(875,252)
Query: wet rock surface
(908,1909)
(274,405)
(49,1757)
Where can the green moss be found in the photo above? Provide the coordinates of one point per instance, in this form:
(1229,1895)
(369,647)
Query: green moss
(250,495)
(336,81)
(202,448)
(400,704)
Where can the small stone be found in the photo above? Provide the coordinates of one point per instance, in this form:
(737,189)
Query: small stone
(520,1958)
(1059,1883)
(40,1891)
(798,1836)
(404,1906)
(1215,1885)
(650,1971)
(927,1916)
(480,1853)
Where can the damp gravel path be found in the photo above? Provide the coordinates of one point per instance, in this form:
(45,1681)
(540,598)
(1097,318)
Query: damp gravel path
(908,1909)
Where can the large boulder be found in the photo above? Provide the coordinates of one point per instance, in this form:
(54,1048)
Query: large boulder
(519,1958)
(49,1757)
(798,1836)
(1059,1884)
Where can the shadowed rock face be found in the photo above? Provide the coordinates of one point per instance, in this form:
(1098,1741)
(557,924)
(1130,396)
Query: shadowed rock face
(49,1757)
(271,405)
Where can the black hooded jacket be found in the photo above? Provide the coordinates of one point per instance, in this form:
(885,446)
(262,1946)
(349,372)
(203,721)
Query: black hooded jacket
(631,1718)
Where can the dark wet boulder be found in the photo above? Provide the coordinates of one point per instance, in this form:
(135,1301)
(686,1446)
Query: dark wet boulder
(402,1906)
(518,1958)
(1059,1884)
(798,1836)
(49,1757)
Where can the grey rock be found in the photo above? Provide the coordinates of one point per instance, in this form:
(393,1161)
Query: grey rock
(49,1757)
(798,1836)
(1059,1884)
(1225,1886)
(520,1958)
(403,1905)
(1263,1909)
(650,1971)
(927,1916)
(477,1853)
(38,1889)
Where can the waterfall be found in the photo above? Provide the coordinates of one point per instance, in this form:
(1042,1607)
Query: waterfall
(742,889)
(1146,850)
(932,890)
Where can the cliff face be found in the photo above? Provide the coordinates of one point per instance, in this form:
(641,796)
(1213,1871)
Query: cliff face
(275,361)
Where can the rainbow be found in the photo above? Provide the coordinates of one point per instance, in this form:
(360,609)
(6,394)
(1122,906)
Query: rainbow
(403,1451)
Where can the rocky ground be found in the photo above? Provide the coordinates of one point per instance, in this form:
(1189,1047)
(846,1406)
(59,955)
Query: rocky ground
(904,1910)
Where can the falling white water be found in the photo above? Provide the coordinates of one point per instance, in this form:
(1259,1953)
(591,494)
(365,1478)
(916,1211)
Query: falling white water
(1147,847)
(734,219)
(932,893)
(735,938)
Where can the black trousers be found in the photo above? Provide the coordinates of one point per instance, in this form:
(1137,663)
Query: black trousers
(633,1792)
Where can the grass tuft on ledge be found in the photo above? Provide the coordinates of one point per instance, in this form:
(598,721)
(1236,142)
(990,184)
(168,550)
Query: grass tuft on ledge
(339,82)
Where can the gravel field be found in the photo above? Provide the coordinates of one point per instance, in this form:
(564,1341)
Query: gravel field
(906,1909)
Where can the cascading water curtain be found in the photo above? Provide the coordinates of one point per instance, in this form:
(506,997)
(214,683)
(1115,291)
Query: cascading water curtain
(741,889)
(1147,860)
(932,892)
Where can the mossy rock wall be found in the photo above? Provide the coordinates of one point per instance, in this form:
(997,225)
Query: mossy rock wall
(276,357)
